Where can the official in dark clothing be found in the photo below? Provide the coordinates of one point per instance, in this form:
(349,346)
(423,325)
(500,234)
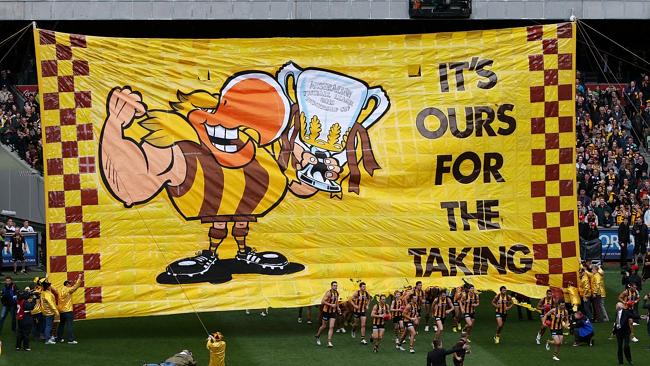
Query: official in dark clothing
(623,331)
(640,233)
(623,240)
(438,356)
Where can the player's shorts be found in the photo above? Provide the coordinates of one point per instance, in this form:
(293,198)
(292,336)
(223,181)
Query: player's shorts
(469,315)
(541,316)
(439,319)
(503,316)
(359,314)
(456,303)
(328,316)
(377,327)
(408,324)
(557,332)
(397,319)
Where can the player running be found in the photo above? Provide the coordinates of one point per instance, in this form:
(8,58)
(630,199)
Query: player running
(409,315)
(330,309)
(360,301)
(419,303)
(557,319)
(429,295)
(456,295)
(502,302)
(380,313)
(396,308)
(441,307)
(468,304)
(544,306)
(630,298)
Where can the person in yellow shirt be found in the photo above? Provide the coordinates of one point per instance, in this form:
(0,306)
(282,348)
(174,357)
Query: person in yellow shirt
(217,347)
(598,286)
(65,308)
(49,310)
(586,291)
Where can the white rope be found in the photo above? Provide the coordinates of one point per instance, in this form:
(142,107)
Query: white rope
(614,42)
(24,30)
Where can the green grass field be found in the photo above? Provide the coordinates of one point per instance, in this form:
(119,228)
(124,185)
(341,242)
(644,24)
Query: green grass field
(279,340)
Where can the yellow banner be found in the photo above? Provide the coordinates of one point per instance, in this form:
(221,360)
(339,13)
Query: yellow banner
(246,173)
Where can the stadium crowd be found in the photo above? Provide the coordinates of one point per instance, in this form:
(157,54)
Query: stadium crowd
(20,123)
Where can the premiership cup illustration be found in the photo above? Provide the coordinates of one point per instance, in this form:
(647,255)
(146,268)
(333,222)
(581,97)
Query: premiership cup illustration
(329,104)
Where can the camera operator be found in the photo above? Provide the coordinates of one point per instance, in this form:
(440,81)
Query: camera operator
(26,303)
(582,329)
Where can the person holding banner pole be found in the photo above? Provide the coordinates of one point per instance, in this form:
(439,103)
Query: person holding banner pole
(624,239)
(586,291)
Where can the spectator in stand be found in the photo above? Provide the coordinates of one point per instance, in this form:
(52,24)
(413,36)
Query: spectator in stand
(18,249)
(10,227)
(623,240)
(26,228)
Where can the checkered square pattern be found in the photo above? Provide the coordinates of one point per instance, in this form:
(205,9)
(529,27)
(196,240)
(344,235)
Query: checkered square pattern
(66,133)
(552,153)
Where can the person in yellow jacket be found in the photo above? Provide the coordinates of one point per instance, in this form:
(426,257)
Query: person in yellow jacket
(598,285)
(586,291)
(49,310)
(217,347)
(65,308)
(37,314)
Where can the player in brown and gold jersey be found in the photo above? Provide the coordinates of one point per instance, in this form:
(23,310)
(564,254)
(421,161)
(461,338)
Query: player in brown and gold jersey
(429,295)
(502,302)
(360,301)
(544,306)
(468,304)
(456,294)
(396,308)
(409,315)
(380,314)
(441,307)
(330,309)
(420,296)
(557,319)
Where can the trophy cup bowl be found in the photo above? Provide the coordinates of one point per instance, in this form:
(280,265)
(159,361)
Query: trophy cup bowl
(329,104)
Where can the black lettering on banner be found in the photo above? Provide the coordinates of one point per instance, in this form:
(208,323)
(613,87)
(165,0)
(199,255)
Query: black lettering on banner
(444,84)
(422,128)
(439,266)
(509,120)
(451,218)
(457,261)
(479,268)
(417,254)
(492,163)
(460,79)
(482,123)
(485,207)
(475,171)
(526,262)
(500,264)
(488,74)
(469,123)
(466,215)
(442,168)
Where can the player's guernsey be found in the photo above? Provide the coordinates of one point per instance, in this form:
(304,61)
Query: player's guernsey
(439,307)
(399,303)
(468,303)
(558,317)
(419,297)
(213,192)
(361,301)
(502,303)
(381,310)
(334,299)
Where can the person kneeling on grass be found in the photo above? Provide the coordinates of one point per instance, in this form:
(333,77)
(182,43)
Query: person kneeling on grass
(583,330)
(182,358)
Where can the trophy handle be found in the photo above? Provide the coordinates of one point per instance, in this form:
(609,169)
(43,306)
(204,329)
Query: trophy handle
(289,69)
(380,108)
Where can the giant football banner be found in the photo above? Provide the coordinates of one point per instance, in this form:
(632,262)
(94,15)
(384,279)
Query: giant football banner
(244,173)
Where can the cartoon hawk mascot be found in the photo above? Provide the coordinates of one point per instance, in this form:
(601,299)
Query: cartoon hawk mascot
(215,156)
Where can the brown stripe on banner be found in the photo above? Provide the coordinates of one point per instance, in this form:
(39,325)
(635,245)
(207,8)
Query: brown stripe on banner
(213,178)
(256,180)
